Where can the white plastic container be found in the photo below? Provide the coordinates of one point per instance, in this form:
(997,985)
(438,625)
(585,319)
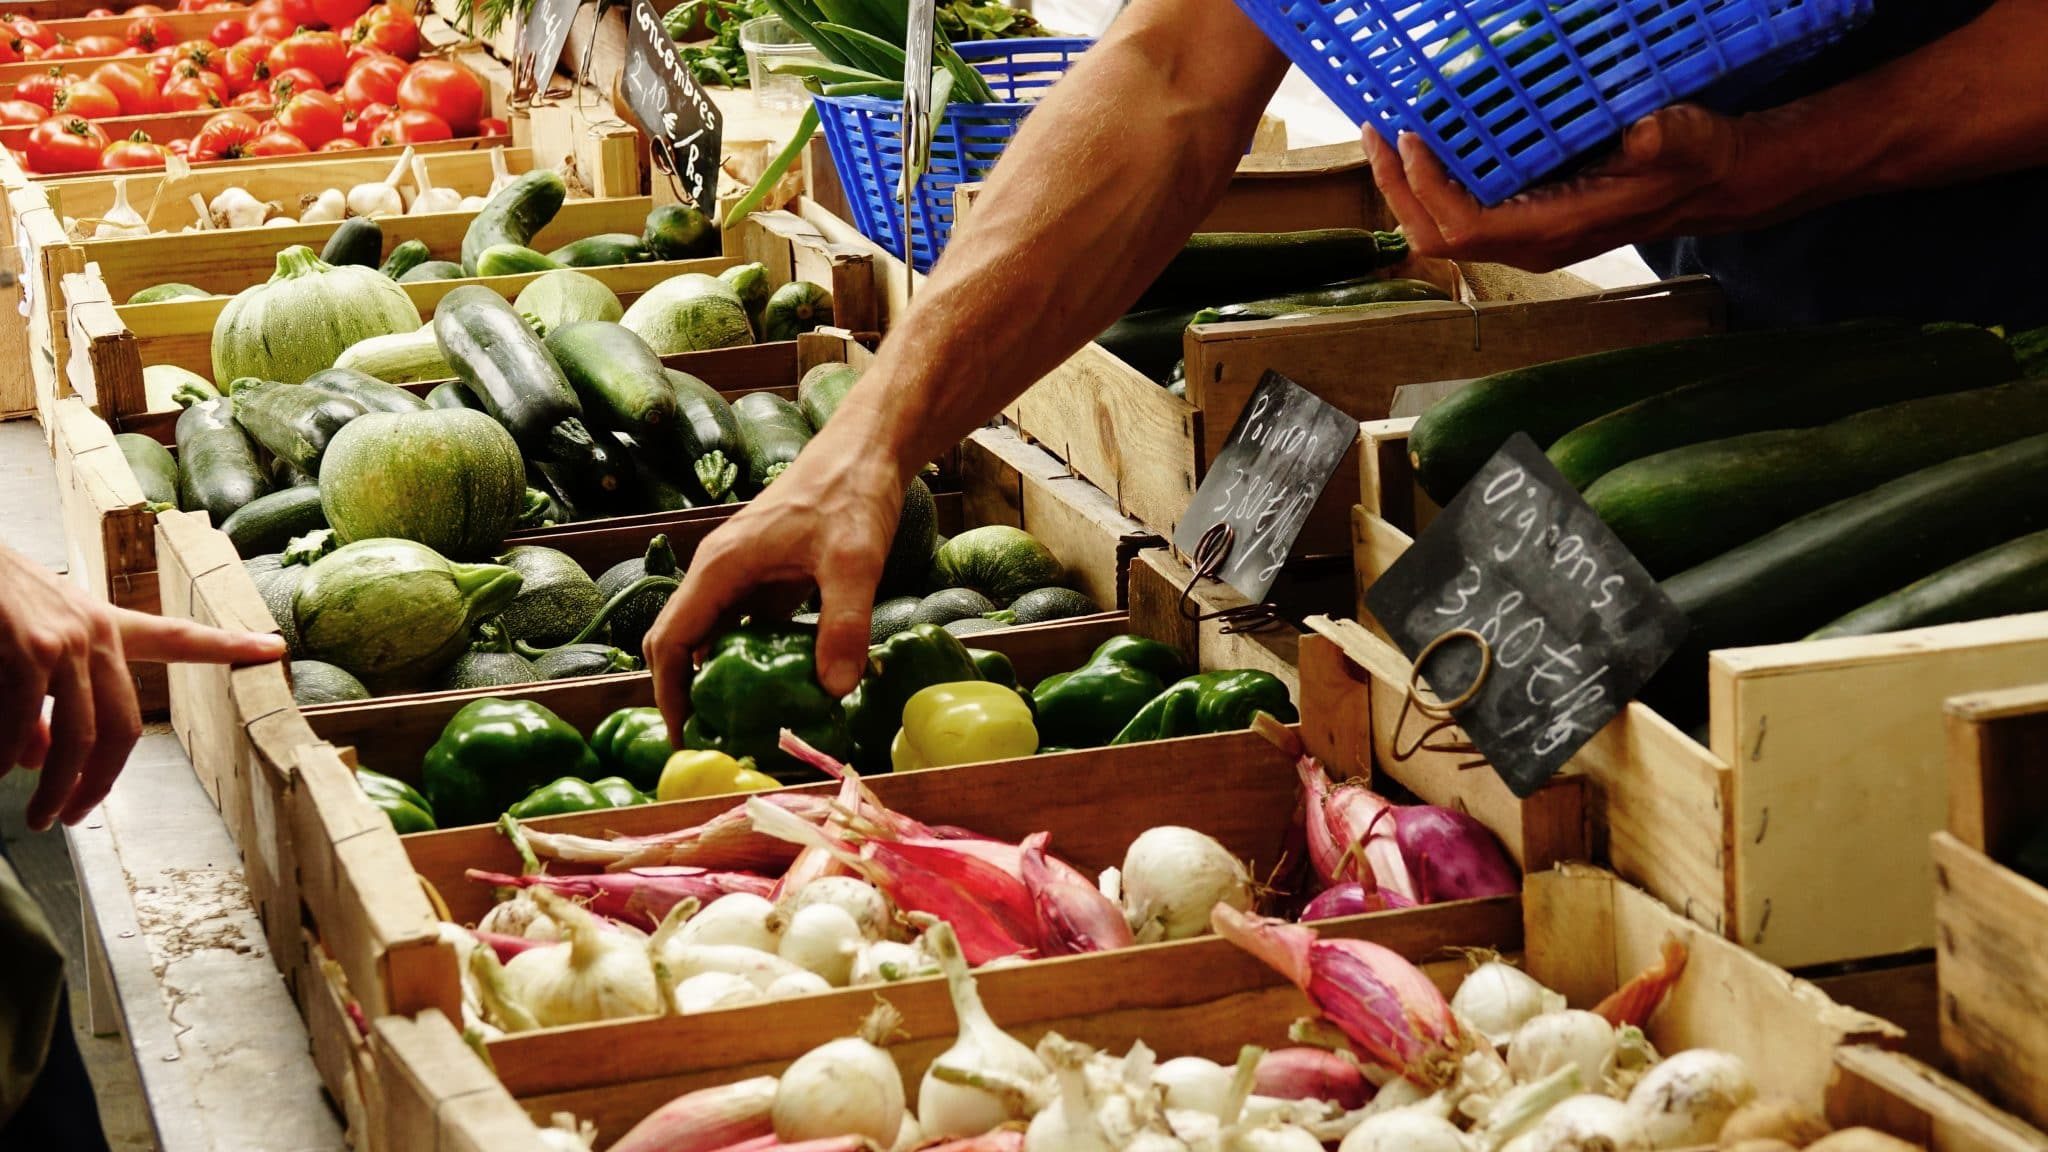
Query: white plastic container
(765,41)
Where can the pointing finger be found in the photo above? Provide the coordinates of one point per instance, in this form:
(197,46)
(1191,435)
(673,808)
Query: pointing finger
(164,640)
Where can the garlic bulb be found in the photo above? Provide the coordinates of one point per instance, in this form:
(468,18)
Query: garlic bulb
(120,219)
(236,208)
(599,973)
(381,198)
(501,176)
(279,222)
(430,198)
(326,208)
(473,203)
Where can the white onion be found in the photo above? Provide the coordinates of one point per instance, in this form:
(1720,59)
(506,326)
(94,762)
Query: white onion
(824,939)
(1275,1138)
(596,974)
(708,990)
(886,961)
(1583,1124)
(858,898)
(848,1087)
(909,1136)
(1173,877)
(1687,1098)
(1549,1042)
(741,919)
(1498,998)
(1194,1083)
(798,983)
(983,1049)
(1404,1130)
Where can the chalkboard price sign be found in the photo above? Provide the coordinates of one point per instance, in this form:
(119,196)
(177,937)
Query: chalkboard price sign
(1281,454)
(681,122)
(1572,626)
(541,39)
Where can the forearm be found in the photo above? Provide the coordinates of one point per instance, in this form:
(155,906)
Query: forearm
(1100,188)
(1970,105)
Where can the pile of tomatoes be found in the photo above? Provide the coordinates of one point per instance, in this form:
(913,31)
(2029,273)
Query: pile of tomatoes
(287,77)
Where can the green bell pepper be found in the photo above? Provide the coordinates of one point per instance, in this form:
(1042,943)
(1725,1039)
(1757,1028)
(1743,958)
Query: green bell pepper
(1210,702)
(756,682)
(1087,707)
(993,666)
(572,795)
(400,802)
(898,668)
(494,752)
(633,742)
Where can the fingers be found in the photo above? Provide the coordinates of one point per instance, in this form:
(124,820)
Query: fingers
(1391,177)
(165,640)
(118,724)
(712,585)
(21,716)
(1451,210)
(72,725)
(846,589)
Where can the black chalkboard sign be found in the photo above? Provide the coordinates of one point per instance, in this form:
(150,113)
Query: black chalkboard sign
(682,124)
(541,39)
(1281,454)
(1574,627)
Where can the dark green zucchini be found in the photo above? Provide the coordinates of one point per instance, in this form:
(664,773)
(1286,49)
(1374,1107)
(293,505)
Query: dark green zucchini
(679,232)
(602,250)
(773,431)
(708,433)
(285,474)
(373,394)
(217,468)
(452,394)
(1333,300)
(293,421)
(618,378)
(657,492)
(819,393)
(267,523)
(1687,506)
(2030,348)
(1149,341)
(1230,266)
(512,260)
(572,661)
(2003,581)
(357,240)
(1944,358)
(433,270)
(405,258)
(156,470)
(514,214)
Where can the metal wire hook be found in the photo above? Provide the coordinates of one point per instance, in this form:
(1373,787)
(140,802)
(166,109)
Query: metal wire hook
(1212,551)
(1441,710)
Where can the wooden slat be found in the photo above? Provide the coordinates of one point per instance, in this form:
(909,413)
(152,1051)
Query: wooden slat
(1997,792)
(438,1096)
(1007,481)
(1158,579)
(1897,1094)
(1993,927)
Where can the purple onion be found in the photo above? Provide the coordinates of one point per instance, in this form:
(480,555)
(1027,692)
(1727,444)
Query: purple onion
(1452,856)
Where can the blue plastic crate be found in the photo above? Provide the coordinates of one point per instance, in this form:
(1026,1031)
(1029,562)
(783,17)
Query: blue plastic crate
(1533,86)
(865,136)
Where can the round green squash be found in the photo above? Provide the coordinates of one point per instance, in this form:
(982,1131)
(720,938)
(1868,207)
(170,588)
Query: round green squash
(997,560)
(394,613)
(689,313)
(449,478)
(556,600)
(302,319)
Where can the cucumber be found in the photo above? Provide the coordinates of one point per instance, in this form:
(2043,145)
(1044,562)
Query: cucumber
(2002,581)
(452,394)
(619,379)
(708,433)
(217,468)
(1451,441)
(398,358)
(156,470)
(819,393)
(293,421)
(794,309)
(1688,505)
(373,394)
(772,431)
(515,214)
(267,523)
(1787,583)
(158,293)
(433,270)
(1944,358)
(512,260)
(679,232)
(405,258)
(358,240)
(601,251)
(1218,266)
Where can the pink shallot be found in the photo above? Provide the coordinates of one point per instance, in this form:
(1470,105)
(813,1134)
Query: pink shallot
(1352,898)
(726,841)
(707,1120)
(1312,1074)
(1000,1140)
(640,897)
(1073,917)
(1346,838)
(506,946)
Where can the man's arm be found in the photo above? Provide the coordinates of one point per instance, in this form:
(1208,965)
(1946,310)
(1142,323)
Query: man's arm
(1099,189)
(1970,105)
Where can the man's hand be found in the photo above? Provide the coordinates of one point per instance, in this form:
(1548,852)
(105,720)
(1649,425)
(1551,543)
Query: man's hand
(1671,177)
(58,642)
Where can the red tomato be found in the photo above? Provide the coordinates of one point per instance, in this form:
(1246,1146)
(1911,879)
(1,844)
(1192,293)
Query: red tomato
(321,53)
(150,33)
(300,11)
(364,122)
(9,53)
(191,95)
(135,152)
(132,87)
(41,88)
(446,89)
(273,25)
(62,52)
(224,136)
(339,14)
(284,83)
(33,32)
(312,116)
(276,144)
(258,44)
(373,80)
(204,53)
(65,144)
(386,29)
(492,126)
(339,144)
(227,33)
(412,127)
(21,112)
(92,46)
(245,68)
(253,98)
(87,98)
(144,10)
(214,81)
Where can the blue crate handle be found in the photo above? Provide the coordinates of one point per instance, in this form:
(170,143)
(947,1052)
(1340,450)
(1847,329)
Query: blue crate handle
(1562,80)
(864,136)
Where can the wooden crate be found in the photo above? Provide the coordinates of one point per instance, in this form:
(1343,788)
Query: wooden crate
(1992,921)
(1169,604)
(1840,740)
(1895,1093)
(1584,932)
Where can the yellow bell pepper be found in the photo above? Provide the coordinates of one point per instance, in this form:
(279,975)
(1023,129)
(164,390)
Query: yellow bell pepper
(963,723)
(692,774)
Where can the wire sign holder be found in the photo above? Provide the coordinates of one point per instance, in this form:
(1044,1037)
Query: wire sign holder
(1519,593)
(684,129)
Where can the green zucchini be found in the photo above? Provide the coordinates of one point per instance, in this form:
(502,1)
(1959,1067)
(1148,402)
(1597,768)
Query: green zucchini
(772,431)
(750,281)
(190,389)
(267,523)
(373,394)
(1333,300)
(1450,442)
(1686,506)
(679,232)
(398,358)
(512,260)
(217,468)
(601,251)
(405,258)
(708,433)
(357,240)
(656,491)
(1788,582)
(432,270)
(1222,266)
(618,378)
(452,394)
(285,474)
(794,309)
(294,421)
(822,389)
(156,470)
(1150,341)
(2030,348)
(515,214)
(158,293)
(1943,358)
(2003,581)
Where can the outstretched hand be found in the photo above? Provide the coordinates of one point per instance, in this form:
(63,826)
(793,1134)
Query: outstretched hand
(1669,177)
(58,642)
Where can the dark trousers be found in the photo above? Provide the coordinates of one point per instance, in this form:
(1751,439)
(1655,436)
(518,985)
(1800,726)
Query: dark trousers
(61,1112)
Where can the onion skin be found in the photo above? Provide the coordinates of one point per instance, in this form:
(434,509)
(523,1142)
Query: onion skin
(1452,856)
(1352,898)
(1073,915)
(1311,1074)
(707,1120)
